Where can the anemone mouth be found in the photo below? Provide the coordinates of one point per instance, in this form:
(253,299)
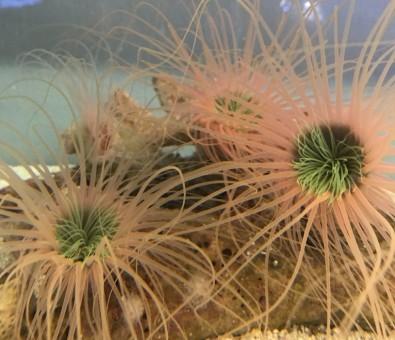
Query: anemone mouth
(80,232)
(329,158)
(235,102)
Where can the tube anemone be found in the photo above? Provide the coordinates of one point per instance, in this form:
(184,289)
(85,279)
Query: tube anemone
(205,76)
(320,163)
(81,231)
(110,239)
(236,103)
(328,159)
(94,240)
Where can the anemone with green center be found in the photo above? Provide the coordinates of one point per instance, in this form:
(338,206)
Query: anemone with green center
(236,102)
(80,232)
(328,158)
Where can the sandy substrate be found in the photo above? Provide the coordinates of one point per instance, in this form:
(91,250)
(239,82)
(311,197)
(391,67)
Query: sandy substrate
(299,334)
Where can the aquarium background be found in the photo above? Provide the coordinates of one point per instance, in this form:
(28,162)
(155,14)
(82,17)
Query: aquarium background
(59,25)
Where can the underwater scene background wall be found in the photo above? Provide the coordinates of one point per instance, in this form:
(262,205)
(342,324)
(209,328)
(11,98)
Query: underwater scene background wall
(192,169)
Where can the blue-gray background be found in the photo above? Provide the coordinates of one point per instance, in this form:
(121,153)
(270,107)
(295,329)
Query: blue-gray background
(44,24)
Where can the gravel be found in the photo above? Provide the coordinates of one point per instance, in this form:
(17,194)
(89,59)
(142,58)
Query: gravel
(299,334)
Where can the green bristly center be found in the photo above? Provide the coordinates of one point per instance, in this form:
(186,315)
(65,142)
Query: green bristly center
(234,103)
(329,159)
(81,231)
